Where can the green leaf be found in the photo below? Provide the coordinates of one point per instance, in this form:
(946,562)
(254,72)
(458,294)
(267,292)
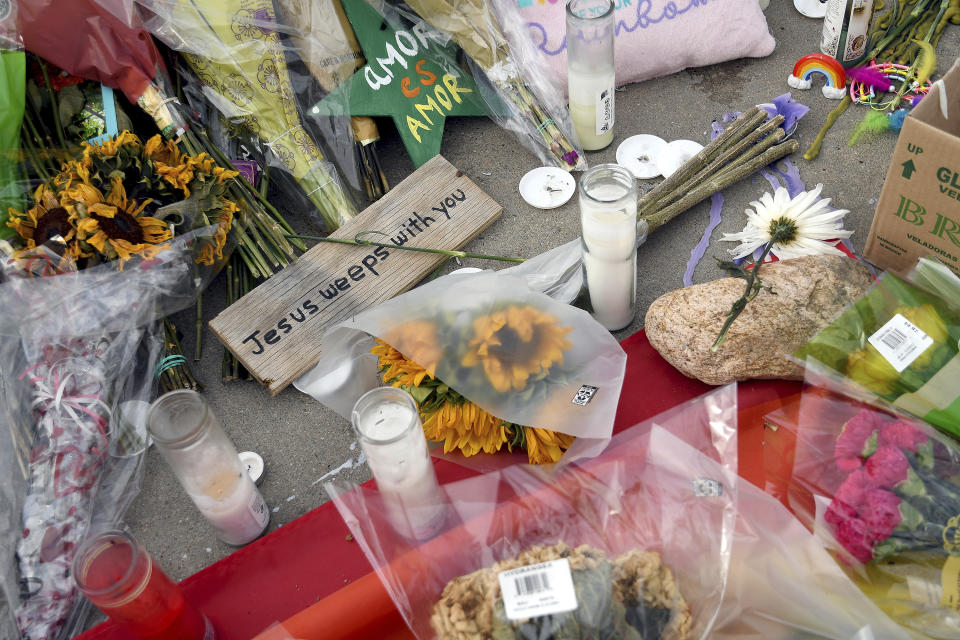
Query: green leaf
(71,102)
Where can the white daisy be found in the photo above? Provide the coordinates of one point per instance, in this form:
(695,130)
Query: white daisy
(795,227)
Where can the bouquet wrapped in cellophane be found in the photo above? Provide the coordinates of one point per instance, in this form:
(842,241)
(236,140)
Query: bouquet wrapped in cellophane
(122,235)
(494,367)
(78,351)
(899,343)
(880,489)
(235,50)
(522,101)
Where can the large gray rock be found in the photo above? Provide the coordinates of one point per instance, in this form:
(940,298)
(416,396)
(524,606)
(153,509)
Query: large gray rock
(808,293)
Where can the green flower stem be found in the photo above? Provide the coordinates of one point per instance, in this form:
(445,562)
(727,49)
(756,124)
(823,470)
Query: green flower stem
(356,241)
(54,106)
(198,346)
(752,289)
(225,363)
(242,180)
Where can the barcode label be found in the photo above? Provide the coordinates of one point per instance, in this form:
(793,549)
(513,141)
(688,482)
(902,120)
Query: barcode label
(538,590)
(900,342)
(533,583)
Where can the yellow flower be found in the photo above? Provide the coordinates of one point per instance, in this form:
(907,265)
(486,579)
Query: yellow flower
(165,151)
(464,427)
(514,344)
(46,223)
(871,370)
(119,234)
(222,174)
(110,147)
(929,321)
(545,446)
(178,176)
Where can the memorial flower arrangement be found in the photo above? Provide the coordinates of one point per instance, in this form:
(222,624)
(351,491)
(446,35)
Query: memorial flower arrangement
(108,238)
(109,204)
(510,350)
(475,28)
(234,48)
(900,343)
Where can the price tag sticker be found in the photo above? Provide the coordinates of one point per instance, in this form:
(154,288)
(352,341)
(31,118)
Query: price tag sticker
(538,590)
(900,342)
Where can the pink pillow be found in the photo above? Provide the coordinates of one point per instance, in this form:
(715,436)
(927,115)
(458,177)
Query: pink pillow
(653,37)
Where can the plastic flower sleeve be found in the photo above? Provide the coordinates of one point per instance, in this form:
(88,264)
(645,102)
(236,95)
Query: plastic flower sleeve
(655,517)
(512,80)
(12,92)
(879,489)
(899,343)
(517,354)
(784,585)
(77,355)
(234,47)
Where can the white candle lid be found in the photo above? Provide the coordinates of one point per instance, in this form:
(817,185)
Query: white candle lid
(638,154)
(675,155)
(547,187)
(253,463)
(811,8)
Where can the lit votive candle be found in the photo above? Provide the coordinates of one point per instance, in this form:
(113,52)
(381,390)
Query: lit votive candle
(388,427)
(608,218)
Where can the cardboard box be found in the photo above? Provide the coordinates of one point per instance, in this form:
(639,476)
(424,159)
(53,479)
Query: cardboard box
(919,209)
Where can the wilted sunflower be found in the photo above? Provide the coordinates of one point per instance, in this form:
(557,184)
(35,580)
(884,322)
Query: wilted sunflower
(514,344)
(119,234)
(46,223)
(421,352)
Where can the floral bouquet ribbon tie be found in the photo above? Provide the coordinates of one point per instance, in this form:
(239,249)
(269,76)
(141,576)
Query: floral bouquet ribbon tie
(494,367)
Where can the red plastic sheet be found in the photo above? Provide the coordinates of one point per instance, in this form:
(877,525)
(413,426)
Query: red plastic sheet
(308,576)
(99,40)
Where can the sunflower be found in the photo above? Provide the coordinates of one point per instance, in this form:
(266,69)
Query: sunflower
(514,344)
(465,427)
(545,446)
(450,418)
(46,223)
(120,233)
(418,340)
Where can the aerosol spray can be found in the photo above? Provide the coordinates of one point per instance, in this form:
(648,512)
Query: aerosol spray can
(845,29)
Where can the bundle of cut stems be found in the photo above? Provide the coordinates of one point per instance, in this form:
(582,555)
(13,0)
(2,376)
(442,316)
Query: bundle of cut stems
(474,27)
(174,370)
(239,283)
(746,146)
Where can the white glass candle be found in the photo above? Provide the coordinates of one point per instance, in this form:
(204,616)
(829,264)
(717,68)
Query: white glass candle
(390,433)
(190,439)
(234,507)
(591,78)
(608,218)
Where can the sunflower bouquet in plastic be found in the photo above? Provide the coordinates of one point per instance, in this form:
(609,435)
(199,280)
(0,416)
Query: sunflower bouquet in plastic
(496,367)
(123,198)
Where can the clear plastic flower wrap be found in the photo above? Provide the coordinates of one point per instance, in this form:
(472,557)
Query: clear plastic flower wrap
(78,351)
(493,365)
(235,49)
(513,78)
(880,491)
(643,532)
(898,343)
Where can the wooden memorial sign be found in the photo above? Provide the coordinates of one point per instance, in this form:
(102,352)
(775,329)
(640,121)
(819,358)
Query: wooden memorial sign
(275,330)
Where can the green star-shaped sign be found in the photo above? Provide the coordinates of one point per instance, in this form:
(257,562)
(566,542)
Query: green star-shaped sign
(408,76)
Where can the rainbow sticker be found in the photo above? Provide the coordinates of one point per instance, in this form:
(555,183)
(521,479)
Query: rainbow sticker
(829,68)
